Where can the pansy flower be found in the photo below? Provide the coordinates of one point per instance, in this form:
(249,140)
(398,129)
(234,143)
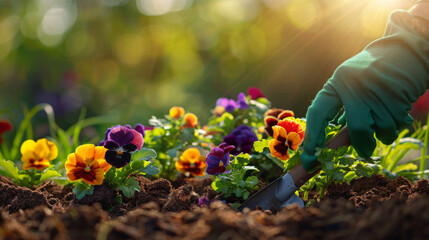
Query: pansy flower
(242,102)
(218,159)
(88,164)
(192,162)
(176,112)
(242,138)
(273,116)
(4,127)
(288,134)
(255,93)
(219,111)
(138,127)
(121,142)
(228,104)
(190,120)
(38,154)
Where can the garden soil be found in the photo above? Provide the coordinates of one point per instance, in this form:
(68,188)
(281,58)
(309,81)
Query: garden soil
(367,208)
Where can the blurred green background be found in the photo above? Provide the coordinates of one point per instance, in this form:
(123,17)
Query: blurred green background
(132,59)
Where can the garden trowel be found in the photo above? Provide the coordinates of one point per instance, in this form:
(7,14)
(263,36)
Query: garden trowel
(281,192)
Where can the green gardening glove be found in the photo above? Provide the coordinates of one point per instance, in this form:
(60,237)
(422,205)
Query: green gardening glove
(376,88)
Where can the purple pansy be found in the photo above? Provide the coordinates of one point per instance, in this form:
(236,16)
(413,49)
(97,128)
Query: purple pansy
(242,138)
(218,159)
(204,201)
(229,104)
(138,127)
(120,142)
(241,101)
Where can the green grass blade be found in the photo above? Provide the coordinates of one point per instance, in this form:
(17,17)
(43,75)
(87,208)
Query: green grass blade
(78,128)
(25,123)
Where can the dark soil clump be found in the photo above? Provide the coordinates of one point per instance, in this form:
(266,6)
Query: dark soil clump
(14,198)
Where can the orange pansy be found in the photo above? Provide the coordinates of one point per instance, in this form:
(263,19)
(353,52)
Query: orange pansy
(282,142)
(190,120)
(192,162)
(176,112)
(88,164)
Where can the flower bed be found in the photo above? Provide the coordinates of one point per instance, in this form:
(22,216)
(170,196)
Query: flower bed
(370,208)
(178,179)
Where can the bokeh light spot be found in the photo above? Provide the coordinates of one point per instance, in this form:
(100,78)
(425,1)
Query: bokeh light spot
(129,48)
(56,21)
(161,7)
(302,14)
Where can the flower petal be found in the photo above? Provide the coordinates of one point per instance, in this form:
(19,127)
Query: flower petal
(176,112)
(279,134)
(293,140)
(28,146)
(255,93)
(279,150)
(129,147)
(86,151)
(285,114)
(120,135)
(292,126)
(111,145)
(137,140)
(213,161)
(99,152)
(269,123)
(215,170)
(103,164)
(140,128)
(118,160)
(39,165)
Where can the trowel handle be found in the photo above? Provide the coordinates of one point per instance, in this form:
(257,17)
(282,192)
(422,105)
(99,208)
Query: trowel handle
(301,176)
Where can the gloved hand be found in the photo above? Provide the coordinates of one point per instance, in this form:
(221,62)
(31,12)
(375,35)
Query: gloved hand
(376,88)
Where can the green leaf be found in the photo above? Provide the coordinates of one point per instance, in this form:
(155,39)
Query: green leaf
(242,183)
(150,170)
(328,166)
(9,169)
(236,205)
(144,154)
(248,168)
(361,171)
(139,164)
(82,189)
(292,162)
(246,195)
(338,175)
(48,174)
(259,146)
(214,185)
(173,151)
(129,187)
(110,175)
(238,192)
(405,167)
(245,156)
(187,134)
(252,181)
(347,160)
